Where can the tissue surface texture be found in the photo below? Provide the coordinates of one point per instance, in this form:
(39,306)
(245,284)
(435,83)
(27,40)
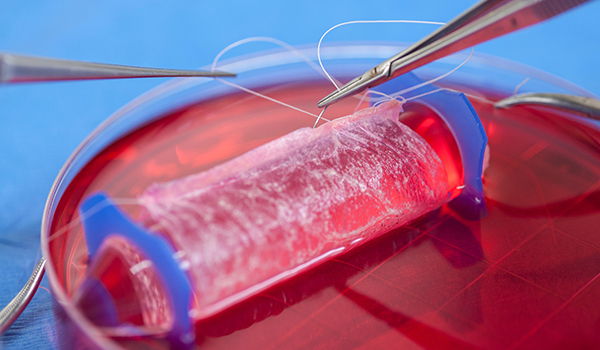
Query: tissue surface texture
(292,202)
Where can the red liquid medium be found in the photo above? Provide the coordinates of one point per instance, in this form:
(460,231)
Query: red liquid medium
(524,277)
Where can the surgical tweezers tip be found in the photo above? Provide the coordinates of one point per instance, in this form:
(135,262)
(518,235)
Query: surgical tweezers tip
(222,74)
(335,96)
(19,69)
(329,99)
(354,86)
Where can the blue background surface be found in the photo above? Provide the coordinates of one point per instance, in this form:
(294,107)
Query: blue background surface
(41,124)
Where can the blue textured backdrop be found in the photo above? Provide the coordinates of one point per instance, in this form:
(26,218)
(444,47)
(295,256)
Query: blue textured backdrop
(41,124)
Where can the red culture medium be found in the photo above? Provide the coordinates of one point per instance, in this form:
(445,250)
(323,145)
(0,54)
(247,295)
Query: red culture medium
(524,277)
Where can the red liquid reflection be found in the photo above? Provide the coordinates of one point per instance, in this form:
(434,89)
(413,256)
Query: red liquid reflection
(524,277)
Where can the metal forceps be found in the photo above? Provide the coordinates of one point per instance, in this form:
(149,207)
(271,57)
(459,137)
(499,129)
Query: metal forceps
(20,69)
(485,20)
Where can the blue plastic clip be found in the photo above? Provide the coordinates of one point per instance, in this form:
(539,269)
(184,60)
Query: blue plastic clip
(109,220)
(464,123)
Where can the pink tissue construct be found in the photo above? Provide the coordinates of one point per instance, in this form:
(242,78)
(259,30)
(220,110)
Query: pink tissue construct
(295,201)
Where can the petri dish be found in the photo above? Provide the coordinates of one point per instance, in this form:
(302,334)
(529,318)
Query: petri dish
(526,276)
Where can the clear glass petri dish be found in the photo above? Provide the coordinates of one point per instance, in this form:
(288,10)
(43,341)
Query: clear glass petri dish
(429,284)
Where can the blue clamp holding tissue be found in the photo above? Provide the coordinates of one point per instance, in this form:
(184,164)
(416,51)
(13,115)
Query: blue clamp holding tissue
(109,220)
(466,127)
